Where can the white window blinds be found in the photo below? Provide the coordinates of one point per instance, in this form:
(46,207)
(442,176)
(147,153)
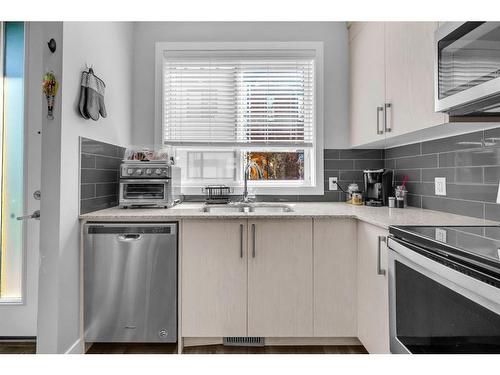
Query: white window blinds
(238,102)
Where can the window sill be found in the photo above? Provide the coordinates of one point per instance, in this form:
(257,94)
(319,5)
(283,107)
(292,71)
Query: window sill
(264,190)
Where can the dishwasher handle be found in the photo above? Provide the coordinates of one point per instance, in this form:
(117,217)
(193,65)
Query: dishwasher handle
(129,237)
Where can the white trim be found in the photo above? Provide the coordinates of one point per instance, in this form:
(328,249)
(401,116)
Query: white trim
(278,341)
(78,347)
(318,188)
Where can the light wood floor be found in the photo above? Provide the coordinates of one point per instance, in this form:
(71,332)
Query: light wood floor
(106,348)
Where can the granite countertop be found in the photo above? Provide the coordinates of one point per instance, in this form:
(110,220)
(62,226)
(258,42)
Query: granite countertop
(380,216)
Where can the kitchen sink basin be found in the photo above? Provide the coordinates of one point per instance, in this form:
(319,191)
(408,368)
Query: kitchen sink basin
(222,209)
(248,207)
(271,208)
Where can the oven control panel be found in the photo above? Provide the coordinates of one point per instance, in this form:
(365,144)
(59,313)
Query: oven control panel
(150,171)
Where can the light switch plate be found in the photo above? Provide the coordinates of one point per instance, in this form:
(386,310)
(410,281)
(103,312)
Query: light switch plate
(440,185)
(332,183)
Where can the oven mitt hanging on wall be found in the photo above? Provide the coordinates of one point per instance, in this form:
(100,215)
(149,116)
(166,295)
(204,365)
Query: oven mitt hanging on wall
(83,96)
(95,97)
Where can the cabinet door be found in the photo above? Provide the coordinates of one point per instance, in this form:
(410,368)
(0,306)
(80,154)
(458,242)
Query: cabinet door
(214,278)
(373,290)
(280,278)
(335,281)
(409,62)
(367,81)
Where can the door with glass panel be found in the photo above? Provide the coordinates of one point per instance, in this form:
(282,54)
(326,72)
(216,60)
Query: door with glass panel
(20,154)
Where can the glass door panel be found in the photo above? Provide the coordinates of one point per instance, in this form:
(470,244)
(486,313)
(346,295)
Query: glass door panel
(12,162)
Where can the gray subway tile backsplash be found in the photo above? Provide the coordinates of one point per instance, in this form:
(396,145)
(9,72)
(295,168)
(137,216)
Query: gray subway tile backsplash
(454,206)
(458,142)
(361,154)
(401,151)
(491,175)
(469,175)
(429,174)
(420,161)
(99,174)
(469,162)
(339,164)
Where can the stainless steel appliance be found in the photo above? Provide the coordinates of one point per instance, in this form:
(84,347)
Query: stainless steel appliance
(130,282)
(444,289)
(149,184)
(467,68)
(379,186)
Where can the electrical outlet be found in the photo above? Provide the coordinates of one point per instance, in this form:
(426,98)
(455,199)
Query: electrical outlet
(440,235)
(332,183)
(440,185)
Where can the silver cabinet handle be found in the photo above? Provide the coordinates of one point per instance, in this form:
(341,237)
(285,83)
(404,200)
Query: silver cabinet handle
(380,271)
(241,240)
(253,240)
(379,110)
(387,124)
(129,237)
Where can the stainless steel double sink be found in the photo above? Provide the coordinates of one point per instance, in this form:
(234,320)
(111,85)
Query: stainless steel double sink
(248,207)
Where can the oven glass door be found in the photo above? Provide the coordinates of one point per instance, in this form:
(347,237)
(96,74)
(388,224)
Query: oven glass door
(468,57)
(143,190)
(433,318)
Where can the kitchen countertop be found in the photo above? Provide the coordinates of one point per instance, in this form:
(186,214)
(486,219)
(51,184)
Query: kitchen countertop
(380,216)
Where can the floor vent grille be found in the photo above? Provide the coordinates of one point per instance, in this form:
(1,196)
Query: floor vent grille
(243,341)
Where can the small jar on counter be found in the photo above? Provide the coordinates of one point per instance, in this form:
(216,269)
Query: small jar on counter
(351,190)
(357,198)
(401,196)
(392,202)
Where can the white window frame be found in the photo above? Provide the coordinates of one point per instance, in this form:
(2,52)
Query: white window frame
(255,187)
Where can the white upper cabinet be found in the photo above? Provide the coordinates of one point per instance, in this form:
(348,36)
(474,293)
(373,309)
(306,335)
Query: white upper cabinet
(409,78)
(367,95)
(392,66)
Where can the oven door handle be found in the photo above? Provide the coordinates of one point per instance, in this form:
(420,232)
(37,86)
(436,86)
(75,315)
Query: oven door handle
(380,271)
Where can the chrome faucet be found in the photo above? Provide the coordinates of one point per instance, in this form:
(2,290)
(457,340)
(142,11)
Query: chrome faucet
(250,164)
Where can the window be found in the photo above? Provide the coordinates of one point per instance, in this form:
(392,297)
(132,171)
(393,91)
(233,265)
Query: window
(223,103)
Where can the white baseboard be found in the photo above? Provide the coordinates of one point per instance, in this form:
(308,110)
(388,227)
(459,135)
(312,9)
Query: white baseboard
(76,348)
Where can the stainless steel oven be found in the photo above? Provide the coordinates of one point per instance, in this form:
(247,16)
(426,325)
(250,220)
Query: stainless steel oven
(443,297)
(149,184)
(467,68)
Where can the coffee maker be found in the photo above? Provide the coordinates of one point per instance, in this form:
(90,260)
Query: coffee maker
(379,186)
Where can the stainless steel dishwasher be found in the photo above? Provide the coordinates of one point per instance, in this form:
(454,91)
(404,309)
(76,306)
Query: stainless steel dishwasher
(130,282)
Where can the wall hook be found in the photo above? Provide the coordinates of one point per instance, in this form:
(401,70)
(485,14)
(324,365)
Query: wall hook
(52,45)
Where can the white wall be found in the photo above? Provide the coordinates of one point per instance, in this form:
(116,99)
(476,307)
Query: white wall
(336,58)
(108,47)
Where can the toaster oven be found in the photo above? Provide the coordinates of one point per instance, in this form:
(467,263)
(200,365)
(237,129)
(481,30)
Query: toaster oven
(149,184)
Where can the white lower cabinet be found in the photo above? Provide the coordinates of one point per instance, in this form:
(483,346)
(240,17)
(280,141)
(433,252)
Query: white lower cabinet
(284,278)
(213,278)
(335,283)
(373,293)
(280,278)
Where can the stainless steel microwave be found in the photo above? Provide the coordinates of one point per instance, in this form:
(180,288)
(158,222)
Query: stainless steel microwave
(467,68)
